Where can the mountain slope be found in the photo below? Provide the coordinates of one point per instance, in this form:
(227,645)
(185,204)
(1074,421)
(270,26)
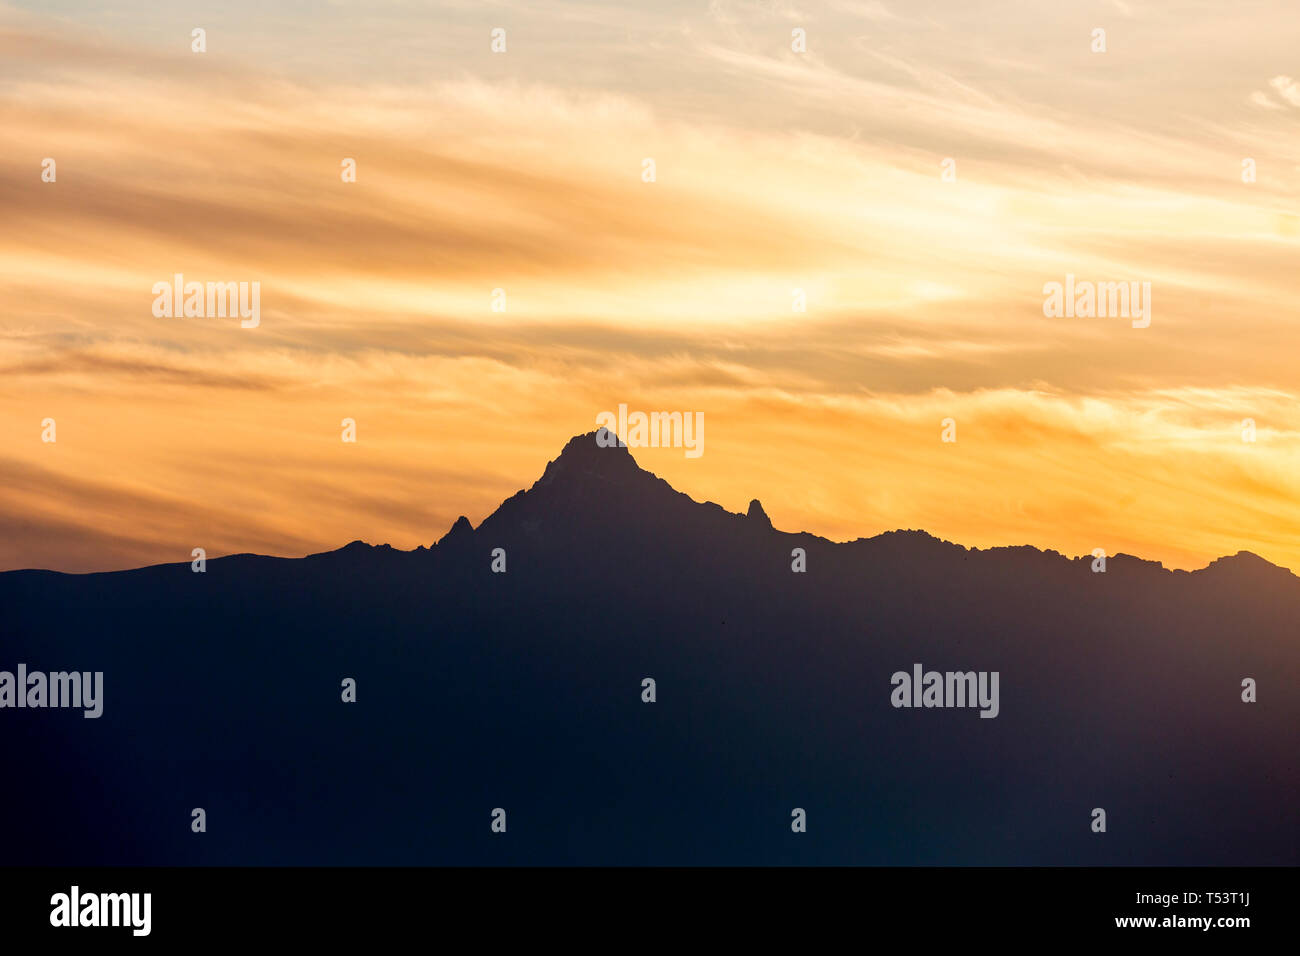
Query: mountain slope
(523,690)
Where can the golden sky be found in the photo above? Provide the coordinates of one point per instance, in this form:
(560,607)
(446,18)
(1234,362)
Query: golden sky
(775,170)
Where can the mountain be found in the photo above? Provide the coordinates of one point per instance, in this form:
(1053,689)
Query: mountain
(523,690)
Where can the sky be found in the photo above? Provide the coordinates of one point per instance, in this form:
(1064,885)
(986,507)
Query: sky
(501,272)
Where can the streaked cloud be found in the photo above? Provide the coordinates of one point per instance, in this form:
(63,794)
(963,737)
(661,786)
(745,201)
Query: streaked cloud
(775,172)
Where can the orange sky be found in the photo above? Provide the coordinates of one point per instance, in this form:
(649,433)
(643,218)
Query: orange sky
(775,171)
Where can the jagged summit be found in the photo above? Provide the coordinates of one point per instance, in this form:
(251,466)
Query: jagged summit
(598,454)
(596,478)
(596,483)
(459,530)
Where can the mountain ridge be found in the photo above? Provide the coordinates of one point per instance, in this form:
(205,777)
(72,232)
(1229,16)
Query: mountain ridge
(582,459)
(505,667)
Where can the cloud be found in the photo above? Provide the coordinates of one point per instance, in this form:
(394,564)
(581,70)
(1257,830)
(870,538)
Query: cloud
(775,172)
(1263,101)
(1286,88)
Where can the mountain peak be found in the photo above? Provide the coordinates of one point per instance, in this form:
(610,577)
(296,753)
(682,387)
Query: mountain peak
(1244,564)
(757,514)
(459,530)
(599,454)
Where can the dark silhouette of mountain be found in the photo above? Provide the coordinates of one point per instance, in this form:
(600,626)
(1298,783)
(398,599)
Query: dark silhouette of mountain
(523,690)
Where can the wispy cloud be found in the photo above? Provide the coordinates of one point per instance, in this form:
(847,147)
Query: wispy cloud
(776,172)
